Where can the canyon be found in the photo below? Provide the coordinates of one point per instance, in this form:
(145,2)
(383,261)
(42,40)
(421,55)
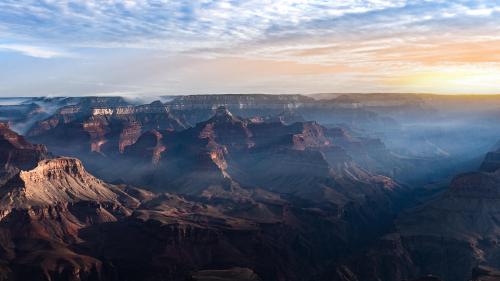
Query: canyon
(249,187)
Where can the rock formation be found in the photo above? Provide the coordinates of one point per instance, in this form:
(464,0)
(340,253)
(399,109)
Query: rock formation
(16,153)
(101,129)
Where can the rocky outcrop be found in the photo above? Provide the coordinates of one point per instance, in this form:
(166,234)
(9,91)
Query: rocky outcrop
(312,136)
(233,102)
(16,153)
(41,210)
(148,148)
(91,101)
(43,207)
(226,152)
(286,108)
(59,180)
(105,130)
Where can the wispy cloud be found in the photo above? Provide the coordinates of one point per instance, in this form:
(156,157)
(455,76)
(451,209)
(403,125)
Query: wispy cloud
(190,26)
(34,51)
(367,38)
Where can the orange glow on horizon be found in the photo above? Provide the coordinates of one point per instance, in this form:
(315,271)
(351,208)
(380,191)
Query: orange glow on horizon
(452,81)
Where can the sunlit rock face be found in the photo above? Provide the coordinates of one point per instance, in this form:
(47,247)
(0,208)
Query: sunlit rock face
(57,180)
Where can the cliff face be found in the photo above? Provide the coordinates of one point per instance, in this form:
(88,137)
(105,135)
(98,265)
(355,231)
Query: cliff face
(101,129)
(450,237)
(16,153)
(59,180)
(12,140)
(44,204)
(40,203)
(286,108)
(300,158)
(233,102)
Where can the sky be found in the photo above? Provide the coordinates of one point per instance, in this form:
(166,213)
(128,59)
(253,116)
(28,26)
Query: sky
(162,47)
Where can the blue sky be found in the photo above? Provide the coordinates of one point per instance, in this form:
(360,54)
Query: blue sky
(175,47)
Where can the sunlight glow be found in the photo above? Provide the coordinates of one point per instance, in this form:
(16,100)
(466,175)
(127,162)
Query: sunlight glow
(454,81)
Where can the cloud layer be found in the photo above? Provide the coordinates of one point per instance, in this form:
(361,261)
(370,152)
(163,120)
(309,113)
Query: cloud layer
(300,45)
